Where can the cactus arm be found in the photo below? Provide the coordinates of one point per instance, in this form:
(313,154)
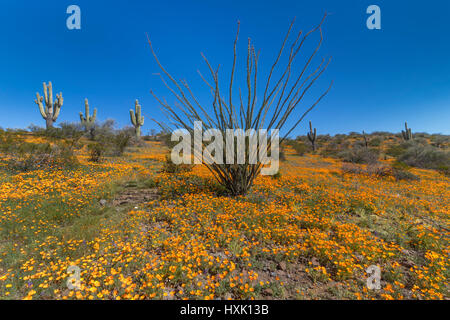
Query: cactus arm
(132,117)
(38,101)
(137,108)
(94,115)
(57,106)
(45,94)
(86,108)
(50,95)
(139,117)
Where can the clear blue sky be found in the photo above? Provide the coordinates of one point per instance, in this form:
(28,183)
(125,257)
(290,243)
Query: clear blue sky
(381,77)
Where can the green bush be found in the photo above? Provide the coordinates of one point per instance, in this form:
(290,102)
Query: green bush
(31,156)
(299,147)
(96,151)
(375,142)
(427,157)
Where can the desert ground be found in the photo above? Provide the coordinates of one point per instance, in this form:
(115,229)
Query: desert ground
(138,227)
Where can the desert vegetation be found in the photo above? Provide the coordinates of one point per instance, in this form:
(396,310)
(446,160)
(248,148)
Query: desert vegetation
(141,228)
(111,202)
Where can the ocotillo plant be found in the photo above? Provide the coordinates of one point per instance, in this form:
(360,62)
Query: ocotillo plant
(51,111)
(312,136)
(407,135)
(278,102)
(136,119)
(88,120)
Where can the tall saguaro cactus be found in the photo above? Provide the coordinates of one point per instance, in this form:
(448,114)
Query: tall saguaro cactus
(366,140)
(88,120)
(136,119)
(51,111)
(407,134)
(312,136)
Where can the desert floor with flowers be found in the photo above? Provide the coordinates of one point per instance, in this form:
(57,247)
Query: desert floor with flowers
(137,232)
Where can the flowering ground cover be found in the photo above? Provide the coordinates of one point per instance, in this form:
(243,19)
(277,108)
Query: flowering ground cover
(309,233)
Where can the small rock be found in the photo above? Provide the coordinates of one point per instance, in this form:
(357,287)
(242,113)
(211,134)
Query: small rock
(282,265)
(315,262)
(268,292)
(102,202)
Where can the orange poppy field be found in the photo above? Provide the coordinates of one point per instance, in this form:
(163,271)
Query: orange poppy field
(136,231)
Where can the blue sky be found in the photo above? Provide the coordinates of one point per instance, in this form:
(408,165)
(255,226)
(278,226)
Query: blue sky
(381,77)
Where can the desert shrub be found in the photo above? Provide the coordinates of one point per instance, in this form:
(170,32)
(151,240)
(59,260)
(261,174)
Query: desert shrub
(333,148)
(440,141)
(375,142)
(96,151)
(323,138)
(282,155)
(121,141)
(299,147)
(238,178)
(381,133)
(380,170)
(396,150)
(427,157)
(9,141)
(171,167)
(351,168)
(374,169)
(32,156)
(165,138)
(66,130)
(421,135)
(359,155)
(113,142)
(99,131)
(276,176)
(401,174)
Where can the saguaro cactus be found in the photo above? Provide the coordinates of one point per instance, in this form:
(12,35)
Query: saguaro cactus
(51,111)
(312,136)
(407,135)
(136,119)
(366,141)
(88,120)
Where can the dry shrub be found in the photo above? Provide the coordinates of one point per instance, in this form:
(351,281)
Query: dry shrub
(29,157)
(379,170)
(286,84)
(170,167)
